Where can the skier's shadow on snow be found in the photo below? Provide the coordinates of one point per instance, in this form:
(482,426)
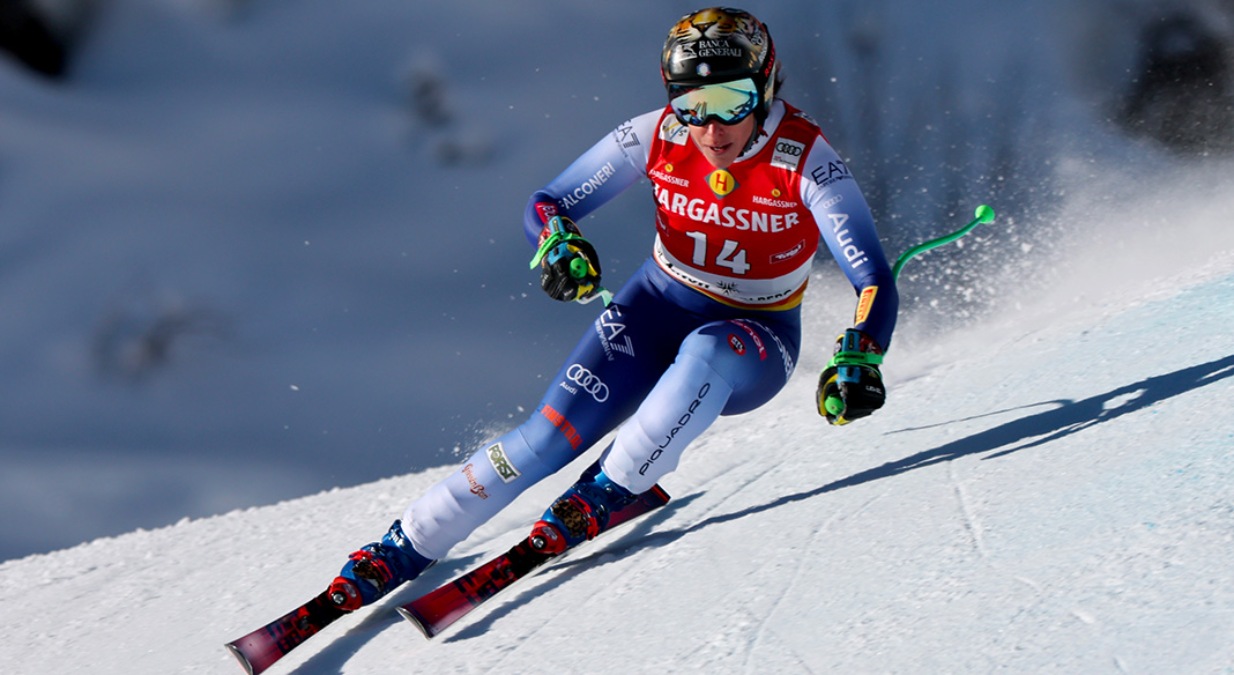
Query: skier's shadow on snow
(1066,417)
(628,539)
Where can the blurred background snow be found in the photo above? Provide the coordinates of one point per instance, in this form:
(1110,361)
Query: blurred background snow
(252,249)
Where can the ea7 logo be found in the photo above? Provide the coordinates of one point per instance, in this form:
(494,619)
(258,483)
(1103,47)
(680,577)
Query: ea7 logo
(609,327)
(835,171)
(625,135)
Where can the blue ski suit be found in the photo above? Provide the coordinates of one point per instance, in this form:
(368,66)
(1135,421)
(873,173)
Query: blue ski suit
(709,325)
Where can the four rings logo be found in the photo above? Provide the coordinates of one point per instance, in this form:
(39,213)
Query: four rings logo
(588,381)
(794,149)
(787,154)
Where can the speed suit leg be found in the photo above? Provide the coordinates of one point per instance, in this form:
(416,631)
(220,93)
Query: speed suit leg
(724,367)
(611,370)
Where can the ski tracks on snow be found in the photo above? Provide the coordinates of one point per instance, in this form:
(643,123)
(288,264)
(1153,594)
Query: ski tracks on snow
(972,521)
(747,628)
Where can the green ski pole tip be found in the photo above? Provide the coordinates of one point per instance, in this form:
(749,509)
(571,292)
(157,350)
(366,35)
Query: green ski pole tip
(984,214)
(834,405)
(578,268)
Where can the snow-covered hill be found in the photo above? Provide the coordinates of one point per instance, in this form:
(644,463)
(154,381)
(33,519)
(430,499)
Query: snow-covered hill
(1038,496)
(285,237)
(341,272)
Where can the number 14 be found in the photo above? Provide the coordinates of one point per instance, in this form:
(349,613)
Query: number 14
(730,255)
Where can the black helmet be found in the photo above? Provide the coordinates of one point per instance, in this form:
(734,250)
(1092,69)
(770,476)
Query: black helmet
(720,44)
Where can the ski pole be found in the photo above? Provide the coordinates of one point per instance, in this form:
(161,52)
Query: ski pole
(849,355)
(984,214)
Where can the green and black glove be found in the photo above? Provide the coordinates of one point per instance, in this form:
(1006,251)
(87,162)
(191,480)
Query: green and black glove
(569,265)
(851,387)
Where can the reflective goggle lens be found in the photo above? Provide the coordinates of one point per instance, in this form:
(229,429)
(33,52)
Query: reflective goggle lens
(727,102)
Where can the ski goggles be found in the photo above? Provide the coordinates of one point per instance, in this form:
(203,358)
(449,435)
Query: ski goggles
(726,102)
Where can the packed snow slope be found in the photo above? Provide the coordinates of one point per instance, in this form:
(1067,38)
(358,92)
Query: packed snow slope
(1047,488)
(251,250)
(1049,492)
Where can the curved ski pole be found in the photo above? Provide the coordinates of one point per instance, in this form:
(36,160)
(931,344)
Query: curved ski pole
(984,214)
(849,355)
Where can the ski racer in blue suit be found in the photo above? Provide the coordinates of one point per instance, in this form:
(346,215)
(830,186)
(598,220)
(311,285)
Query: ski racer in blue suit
(746,186)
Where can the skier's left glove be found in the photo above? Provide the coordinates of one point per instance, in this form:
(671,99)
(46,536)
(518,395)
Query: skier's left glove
(569,265)
(851,387)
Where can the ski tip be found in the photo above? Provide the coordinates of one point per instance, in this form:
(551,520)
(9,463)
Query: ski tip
(244,661)
(417,622)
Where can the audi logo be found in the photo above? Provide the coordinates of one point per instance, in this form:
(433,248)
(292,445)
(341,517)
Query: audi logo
(790,149)
(588,381)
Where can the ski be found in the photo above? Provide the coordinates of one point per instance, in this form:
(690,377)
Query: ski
(260,649)
(440,608)
(431,613)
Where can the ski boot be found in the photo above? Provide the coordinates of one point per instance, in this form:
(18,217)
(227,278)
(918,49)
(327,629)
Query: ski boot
(376,569)
(580,514)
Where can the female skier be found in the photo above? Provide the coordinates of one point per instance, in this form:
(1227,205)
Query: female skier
(745,185)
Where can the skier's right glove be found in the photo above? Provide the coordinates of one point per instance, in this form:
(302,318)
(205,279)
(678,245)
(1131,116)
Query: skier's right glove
(851,387)
(569,265)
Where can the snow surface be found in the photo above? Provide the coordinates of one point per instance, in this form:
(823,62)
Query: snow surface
(1047,490)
